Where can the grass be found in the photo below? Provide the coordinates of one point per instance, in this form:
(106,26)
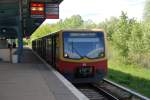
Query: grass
(134,77)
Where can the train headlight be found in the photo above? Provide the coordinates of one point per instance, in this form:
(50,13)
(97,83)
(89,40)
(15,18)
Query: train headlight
(66,55)
(102,54)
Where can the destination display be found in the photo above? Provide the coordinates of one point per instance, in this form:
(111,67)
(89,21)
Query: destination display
(52,11)
(42,10)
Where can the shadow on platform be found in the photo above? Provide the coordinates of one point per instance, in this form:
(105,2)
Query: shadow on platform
(29,57)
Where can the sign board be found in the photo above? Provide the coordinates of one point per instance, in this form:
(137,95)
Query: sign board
(52,11)
(44,10)
(37,10)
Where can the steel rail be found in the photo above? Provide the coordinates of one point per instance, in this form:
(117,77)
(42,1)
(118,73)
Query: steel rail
(133,94)
(105,93)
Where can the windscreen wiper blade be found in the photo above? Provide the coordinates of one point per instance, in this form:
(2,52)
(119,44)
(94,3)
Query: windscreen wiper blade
(76,51)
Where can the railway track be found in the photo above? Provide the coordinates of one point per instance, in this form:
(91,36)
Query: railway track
(107,90)
(121,92)
(95,93)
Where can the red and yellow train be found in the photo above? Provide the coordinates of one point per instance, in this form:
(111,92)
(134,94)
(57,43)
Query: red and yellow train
(79,55)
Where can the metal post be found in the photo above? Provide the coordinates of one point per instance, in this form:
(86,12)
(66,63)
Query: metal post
(20,33)
(20,46)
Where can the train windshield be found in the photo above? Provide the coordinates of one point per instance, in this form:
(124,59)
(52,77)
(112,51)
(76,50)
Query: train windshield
(84,45)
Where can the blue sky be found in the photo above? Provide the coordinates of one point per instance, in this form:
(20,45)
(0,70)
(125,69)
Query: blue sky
(99,10)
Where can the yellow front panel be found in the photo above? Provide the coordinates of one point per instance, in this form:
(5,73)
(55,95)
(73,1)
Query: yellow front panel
(84,59)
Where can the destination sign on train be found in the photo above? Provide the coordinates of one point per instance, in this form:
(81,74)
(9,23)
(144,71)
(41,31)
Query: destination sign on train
(82,34)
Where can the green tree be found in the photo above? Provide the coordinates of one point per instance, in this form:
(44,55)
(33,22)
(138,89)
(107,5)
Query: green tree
(147,11)
(122,34)
(41,31)
(89,24)
(136,43)
(74,21)
(110,26)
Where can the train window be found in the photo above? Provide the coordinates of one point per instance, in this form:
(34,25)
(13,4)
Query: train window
(84,45)
(49,42)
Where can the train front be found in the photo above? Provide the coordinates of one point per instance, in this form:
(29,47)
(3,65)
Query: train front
(83,56)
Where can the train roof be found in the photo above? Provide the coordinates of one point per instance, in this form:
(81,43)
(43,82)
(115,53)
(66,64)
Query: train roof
(85,30)
(73,30)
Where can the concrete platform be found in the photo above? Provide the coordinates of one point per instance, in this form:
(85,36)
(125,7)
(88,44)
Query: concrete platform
(33,80)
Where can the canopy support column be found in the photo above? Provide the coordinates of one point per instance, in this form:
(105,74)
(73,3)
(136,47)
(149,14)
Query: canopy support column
(20,33)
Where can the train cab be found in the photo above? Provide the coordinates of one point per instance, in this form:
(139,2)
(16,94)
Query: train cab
(79,55)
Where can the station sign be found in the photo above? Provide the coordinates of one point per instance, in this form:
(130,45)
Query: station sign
(37,10)
(52,11)
(42,10)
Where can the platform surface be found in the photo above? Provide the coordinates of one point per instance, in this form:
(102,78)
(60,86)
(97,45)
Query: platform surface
(31,80)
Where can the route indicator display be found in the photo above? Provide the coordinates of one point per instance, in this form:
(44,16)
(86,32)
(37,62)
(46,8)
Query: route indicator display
(44,10)
(52,11)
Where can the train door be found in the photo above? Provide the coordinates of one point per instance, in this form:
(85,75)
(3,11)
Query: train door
(54,50)
(49,50)
(38,47)
(44,48)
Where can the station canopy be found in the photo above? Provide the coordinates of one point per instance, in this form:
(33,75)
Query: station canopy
(25,16)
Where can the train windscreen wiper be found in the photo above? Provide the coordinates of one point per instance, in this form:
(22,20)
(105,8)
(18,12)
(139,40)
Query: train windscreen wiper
(76,51)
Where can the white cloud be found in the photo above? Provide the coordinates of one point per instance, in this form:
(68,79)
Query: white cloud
(99,10)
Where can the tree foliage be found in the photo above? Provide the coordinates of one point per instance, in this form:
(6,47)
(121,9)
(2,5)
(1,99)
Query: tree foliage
(109,26)
(74,21)
(122,35)
(89,24)
(147,11)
